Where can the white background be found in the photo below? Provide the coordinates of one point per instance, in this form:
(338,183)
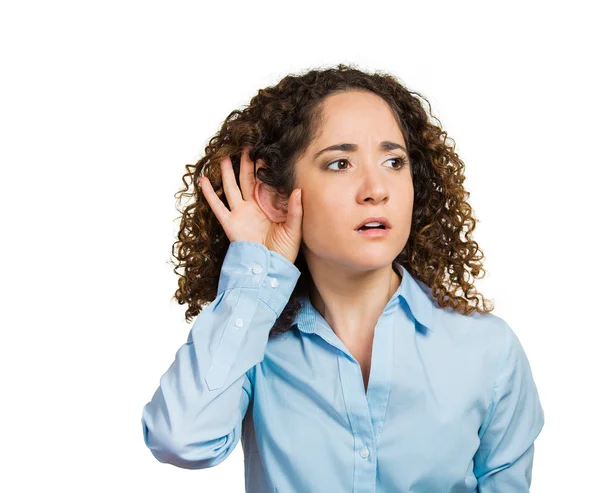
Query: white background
(103,104)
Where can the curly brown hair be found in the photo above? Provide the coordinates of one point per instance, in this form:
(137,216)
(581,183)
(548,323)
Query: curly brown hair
(278,125)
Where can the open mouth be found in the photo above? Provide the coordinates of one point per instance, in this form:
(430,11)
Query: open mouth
(366,228)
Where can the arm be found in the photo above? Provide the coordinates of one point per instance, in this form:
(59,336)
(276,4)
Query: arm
(504,460)
(195,416)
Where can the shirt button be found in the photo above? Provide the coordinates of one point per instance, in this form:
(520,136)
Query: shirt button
(257,269)
(364,453)
(239,322)
(274,283)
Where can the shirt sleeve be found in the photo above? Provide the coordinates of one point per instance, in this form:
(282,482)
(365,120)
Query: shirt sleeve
(504,459)
(194,418)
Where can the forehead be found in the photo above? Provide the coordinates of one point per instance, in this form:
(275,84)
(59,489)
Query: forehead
(356,113)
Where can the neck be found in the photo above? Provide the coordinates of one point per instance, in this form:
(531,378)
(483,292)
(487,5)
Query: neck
(352,303)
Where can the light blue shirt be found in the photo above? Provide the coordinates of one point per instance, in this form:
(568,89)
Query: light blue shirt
(451,404)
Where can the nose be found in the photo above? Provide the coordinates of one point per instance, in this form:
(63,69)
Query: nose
(373,185)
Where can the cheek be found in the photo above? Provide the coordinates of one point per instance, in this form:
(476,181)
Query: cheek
(332,215)
(322,208)
(323,222)
(320,223)
(406,199)
(408,203)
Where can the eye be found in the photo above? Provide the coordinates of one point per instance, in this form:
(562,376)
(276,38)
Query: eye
(338,161)
(401,160)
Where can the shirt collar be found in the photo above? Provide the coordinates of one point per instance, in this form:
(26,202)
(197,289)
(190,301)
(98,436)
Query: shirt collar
(411,291)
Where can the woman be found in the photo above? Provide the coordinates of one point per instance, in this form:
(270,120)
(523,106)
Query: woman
(342,355)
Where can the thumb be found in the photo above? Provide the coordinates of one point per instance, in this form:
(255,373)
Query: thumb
(295,212)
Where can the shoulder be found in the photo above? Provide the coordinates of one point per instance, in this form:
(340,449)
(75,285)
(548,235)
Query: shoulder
(487,340)
(486,328)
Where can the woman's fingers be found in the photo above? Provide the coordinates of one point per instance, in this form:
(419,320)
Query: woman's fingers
(213,200)
(295,214)
(247,179)
(232,191)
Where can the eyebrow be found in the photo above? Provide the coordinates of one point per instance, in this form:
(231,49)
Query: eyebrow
(386,145)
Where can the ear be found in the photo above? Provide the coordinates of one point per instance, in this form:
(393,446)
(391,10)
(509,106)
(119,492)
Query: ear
(274,207)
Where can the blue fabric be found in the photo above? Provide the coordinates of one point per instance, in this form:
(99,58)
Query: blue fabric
(451,404)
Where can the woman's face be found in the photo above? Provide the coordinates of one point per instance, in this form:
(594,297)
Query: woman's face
(341,188)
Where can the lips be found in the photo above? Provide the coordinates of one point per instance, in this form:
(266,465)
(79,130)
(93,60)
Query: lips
(380,219)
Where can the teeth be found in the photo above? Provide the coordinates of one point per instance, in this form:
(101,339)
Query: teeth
(373,224)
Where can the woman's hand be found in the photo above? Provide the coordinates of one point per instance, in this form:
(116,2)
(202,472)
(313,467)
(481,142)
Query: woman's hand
(246,221)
